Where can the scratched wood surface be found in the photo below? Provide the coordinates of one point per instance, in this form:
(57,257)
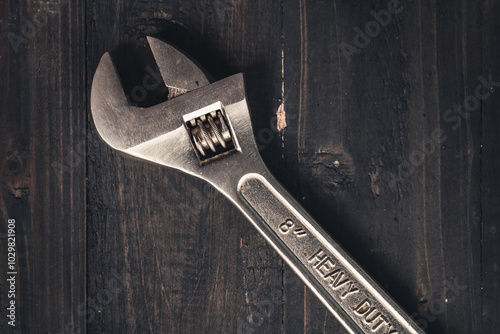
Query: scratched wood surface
(42,154)
(378,136)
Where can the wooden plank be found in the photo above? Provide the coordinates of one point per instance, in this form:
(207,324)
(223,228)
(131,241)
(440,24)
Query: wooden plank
(357,124)
(43,164)
(490,165)
(312,140)
(195,264)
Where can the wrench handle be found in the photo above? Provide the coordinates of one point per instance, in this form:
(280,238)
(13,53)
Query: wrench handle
(339,282)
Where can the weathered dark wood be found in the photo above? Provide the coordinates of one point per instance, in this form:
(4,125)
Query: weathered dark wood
(43,114)
(490,167)
(417,232)
(167,254)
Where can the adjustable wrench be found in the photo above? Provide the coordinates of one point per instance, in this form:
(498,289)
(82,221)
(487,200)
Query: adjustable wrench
(205,131)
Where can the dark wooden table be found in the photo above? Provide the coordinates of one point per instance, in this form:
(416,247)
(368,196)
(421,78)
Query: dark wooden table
(386,131)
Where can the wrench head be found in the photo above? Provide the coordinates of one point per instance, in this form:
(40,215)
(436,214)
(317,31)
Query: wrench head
(201,129)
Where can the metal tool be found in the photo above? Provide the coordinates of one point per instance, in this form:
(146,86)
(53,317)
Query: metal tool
(205,131)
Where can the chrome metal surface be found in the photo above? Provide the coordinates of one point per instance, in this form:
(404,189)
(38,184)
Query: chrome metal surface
(158,134)
(179,73)
(211,133)
(345,288)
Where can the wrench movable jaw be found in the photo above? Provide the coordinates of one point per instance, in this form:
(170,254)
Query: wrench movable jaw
(178,71)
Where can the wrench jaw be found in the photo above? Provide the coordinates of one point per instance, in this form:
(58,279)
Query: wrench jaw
(121,125)
(179,72)
(158,134)
(109,104)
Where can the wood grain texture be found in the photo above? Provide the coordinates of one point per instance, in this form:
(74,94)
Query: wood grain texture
(43,116)
(378,146)
(490,167)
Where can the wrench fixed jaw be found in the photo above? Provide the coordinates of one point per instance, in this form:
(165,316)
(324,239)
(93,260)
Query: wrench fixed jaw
(119,124)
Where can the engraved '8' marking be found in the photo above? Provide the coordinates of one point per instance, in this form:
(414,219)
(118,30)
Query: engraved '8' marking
(289,226)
